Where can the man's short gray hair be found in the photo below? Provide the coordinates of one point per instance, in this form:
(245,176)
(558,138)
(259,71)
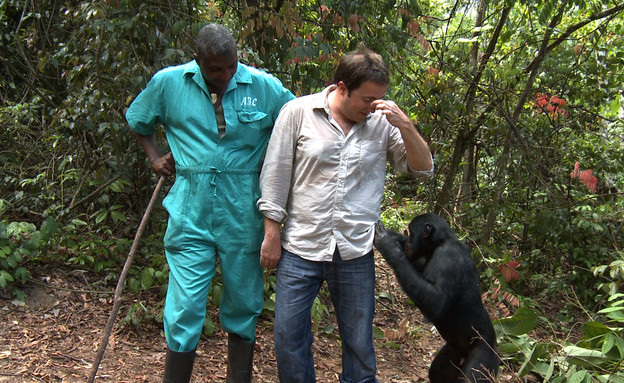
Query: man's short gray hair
(215,40)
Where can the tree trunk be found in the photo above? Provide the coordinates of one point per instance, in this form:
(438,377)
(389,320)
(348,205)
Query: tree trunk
(513,129)
(466,134)
(498,190)
(467,190)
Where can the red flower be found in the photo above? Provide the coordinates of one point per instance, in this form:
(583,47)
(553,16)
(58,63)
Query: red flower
(589,180)
(552,105)
(586,177)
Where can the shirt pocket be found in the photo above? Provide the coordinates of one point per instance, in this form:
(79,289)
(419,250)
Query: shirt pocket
(253,128)
(372,154)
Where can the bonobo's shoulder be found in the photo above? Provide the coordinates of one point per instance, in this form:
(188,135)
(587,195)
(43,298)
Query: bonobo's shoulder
(454,246)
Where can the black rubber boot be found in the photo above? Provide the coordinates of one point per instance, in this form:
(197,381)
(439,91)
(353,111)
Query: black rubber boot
(178,366)
(240,359)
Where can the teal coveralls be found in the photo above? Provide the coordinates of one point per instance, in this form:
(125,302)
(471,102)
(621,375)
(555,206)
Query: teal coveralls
(212,204)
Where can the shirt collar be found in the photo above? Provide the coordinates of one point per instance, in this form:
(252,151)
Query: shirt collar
(242,75)
(320,99)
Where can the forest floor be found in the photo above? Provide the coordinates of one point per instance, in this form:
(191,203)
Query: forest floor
(54,334)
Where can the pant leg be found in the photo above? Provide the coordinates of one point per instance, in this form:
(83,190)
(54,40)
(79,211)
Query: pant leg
(243,291)
(298,283)
(191,255)
(352,288)
(191,271)
(239,230)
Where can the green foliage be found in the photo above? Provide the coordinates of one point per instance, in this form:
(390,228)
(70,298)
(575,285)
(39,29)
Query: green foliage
(398,207)
(68,153)
(397,217)
(583,229)
(597,355)
(136,314)
(209,327)
(19,243)
(614,274)
(70,70)
(147,278)
(320,313)
(269,288)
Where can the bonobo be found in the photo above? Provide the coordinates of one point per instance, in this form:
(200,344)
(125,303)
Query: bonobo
(437,272)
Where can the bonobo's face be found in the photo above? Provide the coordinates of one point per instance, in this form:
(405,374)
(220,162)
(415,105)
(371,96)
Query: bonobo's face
(420,242)
(217,70)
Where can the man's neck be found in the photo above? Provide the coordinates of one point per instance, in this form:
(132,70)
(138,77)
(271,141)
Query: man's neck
(333,103)
(216,95)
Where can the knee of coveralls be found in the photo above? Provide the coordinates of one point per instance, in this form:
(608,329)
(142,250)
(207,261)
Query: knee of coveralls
(190,274)
(243,289)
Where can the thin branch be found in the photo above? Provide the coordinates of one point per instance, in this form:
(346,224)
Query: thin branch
(96,192)
(573,28)
(26,82)
(470,94)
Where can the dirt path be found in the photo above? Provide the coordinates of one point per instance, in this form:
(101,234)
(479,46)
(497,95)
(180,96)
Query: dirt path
(54,334)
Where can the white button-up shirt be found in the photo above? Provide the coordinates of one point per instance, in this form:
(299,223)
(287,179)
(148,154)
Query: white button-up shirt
(325,186)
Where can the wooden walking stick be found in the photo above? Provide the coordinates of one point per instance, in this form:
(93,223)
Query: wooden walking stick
(122,279)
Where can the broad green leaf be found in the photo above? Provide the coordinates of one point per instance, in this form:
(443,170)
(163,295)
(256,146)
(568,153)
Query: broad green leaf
(147,278)
(523,321)
(378,333)
(101,216)
(209,327)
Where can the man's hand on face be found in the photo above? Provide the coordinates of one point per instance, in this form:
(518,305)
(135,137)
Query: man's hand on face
(393,113)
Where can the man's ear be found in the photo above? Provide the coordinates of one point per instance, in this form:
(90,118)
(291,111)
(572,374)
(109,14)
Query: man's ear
(196,57)
(342,88)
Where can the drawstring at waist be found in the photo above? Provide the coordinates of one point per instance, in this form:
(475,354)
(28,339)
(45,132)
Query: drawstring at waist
(190,170)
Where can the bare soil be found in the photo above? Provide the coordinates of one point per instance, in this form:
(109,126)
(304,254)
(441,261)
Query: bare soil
(54,334)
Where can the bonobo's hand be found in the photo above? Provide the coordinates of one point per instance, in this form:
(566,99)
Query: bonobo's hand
(385,243)
(388,246)
(381,234)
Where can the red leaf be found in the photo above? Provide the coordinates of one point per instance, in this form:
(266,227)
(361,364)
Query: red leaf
(508,270)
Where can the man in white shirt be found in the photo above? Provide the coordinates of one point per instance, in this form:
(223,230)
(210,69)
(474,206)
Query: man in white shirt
(323,179)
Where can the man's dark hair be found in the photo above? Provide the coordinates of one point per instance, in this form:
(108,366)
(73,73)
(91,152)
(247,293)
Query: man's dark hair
(359,66)
(215,40)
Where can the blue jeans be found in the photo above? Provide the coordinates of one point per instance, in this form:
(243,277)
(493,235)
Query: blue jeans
(352,288)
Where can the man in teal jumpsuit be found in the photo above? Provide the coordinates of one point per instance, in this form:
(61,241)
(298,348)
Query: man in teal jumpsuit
(218,115)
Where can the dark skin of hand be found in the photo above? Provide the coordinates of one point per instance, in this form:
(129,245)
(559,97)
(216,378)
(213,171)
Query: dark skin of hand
(162,164)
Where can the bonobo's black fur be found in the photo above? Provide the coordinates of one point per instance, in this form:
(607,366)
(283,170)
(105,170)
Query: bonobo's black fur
(437,272)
